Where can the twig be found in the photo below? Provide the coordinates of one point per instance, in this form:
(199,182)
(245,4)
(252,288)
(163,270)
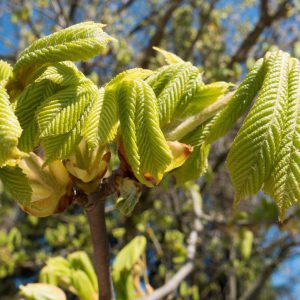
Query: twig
(94,206)
(254,289)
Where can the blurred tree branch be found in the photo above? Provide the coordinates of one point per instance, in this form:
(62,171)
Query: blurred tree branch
(266,19)
(156,39)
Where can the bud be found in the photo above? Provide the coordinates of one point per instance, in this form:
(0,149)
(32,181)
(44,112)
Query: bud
(88,166)
(51,186)
(180,154)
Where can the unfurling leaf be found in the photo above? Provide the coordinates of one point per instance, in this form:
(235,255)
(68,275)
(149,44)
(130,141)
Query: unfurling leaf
(239,102)
(5,70)
(51,186)
(145,146)
(256,146)
(102,122)
(10,130)
(283,182)
(82,41)
(88,166)
(16,184)
(170,57)
(130,192)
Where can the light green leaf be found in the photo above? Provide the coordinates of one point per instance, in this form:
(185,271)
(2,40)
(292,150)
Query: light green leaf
(128,256)
(79,260)
(239,102)
(41,291)
(25,108)
(195,165)
(61,112)
(10,129)
(78,42)
(174,90)
(145,146)
(254,150)
(170,57)
(5,70)
(63,74)
(82,285)
(102,122)
(16,184)
(62,146)
(283,183)
(204,96)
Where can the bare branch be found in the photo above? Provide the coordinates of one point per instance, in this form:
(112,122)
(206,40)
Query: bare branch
(159,34)
(253,291)
(265,21)
(204,19)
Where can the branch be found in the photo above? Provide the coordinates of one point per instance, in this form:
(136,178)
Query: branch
(189,266)
(94,206)
(159,34)
(125,6)
(264,22)
(253,291)
(145,22)
(204,19)
(73,7)
(60,15)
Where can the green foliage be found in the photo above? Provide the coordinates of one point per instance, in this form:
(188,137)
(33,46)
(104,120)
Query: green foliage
(11,251)
(283,183)
(144,143)
(64,45)
(56,108)
(41,291)
(16,184)
(253,153)
(74,273)
(239,102)
(128,267)
(5,70)
(10,130)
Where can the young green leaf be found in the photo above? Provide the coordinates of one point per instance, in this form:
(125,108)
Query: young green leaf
(170,57)
(5,70)
(283,183)
(204,96)
(239,102)
(10,129)
(78,42)
(25,108)
(102,122)
(16,184)
(256,146)
(145,146)
(195,165)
